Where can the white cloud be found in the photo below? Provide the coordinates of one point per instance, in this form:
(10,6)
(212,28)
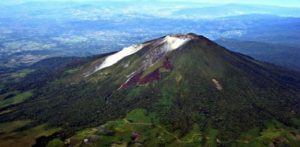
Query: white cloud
(70,39)
(292,3)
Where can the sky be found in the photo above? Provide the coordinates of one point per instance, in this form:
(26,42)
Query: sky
(286,3)
(173,9)
(290,3)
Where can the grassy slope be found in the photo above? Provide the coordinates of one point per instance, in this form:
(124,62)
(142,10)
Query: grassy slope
(9,127)
(152,133)
(19,98)
(21,138)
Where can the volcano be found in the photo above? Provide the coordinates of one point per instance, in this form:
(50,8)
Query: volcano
(180,89)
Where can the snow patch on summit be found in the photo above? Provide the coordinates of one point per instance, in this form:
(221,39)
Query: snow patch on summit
(174,43)
(160,48)
(113,59)
(169,43)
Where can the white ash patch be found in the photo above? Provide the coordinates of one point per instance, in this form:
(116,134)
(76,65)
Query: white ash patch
(165,45)
(131,75)
(173,42)
(157,50)
(217,84)
(115,58)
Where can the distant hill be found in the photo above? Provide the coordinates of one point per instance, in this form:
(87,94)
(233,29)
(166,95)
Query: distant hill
(283,55)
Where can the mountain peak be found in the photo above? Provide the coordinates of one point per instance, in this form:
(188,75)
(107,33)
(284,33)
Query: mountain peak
(173,42)
(159,47)
(188,36)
